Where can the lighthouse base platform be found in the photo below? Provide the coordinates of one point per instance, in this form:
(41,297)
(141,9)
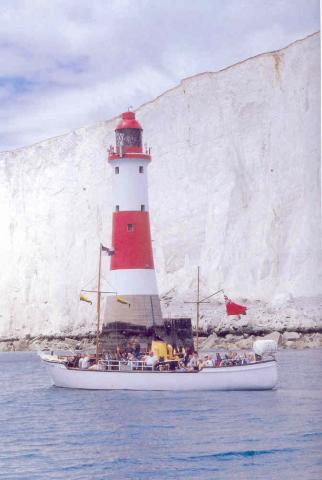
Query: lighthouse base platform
(176,331)
(139,310)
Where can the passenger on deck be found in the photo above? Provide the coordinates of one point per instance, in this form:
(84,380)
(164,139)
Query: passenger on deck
(80,361)
(72,362)
(244,360)
(151,360)
(232,358)
(86,362)
(181,366)
(218,360)
(225,361)
(137,350)
(250,357)
(194,362)
(130,359)
(125,356)
(108,356)
(130,348)
(181,353)
(238,360)
(118,355)
(186,356)
(98,366)
(207,361)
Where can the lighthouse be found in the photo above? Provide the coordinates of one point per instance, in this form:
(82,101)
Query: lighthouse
(132,273)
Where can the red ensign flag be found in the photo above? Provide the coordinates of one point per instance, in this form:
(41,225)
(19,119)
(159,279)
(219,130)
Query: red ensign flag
(233,308)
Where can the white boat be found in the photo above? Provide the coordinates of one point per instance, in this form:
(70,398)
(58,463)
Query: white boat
(260,375)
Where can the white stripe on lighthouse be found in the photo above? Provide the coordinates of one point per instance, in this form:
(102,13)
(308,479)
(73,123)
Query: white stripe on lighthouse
(130,186)
(134,282)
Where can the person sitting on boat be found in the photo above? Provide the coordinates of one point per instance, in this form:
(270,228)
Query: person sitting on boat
(181,366)
(137,351)
(225,361)
(244,360)
(194,362)
(72,362)
(238,360)
(125,356)
(118,353)
(250,357)
(98,366)
(170,355)
(86,362)
(217,362)
(186,356)
(207,361)
(131,360)
(80,361)
(151,360)
(181,353)
(232,358)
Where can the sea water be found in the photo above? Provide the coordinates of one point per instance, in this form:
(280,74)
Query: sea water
(53,433)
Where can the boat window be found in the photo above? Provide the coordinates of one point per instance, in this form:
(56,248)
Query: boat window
(130,227)
(142,208)
(141,169)
(117,208)
(117,170)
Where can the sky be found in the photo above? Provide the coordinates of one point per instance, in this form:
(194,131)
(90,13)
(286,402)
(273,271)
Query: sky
(70,63)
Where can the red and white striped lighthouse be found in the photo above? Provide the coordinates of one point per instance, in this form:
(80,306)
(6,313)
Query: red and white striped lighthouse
(132,272)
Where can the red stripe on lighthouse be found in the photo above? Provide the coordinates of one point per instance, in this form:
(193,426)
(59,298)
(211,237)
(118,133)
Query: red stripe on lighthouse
(131,241)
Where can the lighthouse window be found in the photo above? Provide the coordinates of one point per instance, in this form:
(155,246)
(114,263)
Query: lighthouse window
(141,169)
(117,170)
(117,208)
(130,227)
(142,208)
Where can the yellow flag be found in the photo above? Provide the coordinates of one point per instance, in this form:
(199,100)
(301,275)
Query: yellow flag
(122,300)
(85,299)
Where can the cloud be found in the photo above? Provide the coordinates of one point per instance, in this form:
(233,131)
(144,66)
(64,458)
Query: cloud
(66,64)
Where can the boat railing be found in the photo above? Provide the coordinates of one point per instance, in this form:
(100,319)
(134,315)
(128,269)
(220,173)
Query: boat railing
(125,365)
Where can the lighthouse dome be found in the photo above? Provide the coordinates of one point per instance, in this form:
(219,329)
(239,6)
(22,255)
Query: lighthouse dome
(128,120)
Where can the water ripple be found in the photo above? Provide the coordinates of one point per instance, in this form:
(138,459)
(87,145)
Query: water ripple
(244,453)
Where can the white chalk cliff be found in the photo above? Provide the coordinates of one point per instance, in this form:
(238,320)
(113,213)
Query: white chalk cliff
(234,185)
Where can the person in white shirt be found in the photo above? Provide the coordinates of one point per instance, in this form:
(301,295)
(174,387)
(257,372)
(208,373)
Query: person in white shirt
(194,362)
(85,362)
(151,360)
(207,362)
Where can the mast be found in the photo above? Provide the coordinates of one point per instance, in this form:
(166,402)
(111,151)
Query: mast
(198,303)
(98,304)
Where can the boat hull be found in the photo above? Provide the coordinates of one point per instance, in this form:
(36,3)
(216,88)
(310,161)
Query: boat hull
(259,376)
